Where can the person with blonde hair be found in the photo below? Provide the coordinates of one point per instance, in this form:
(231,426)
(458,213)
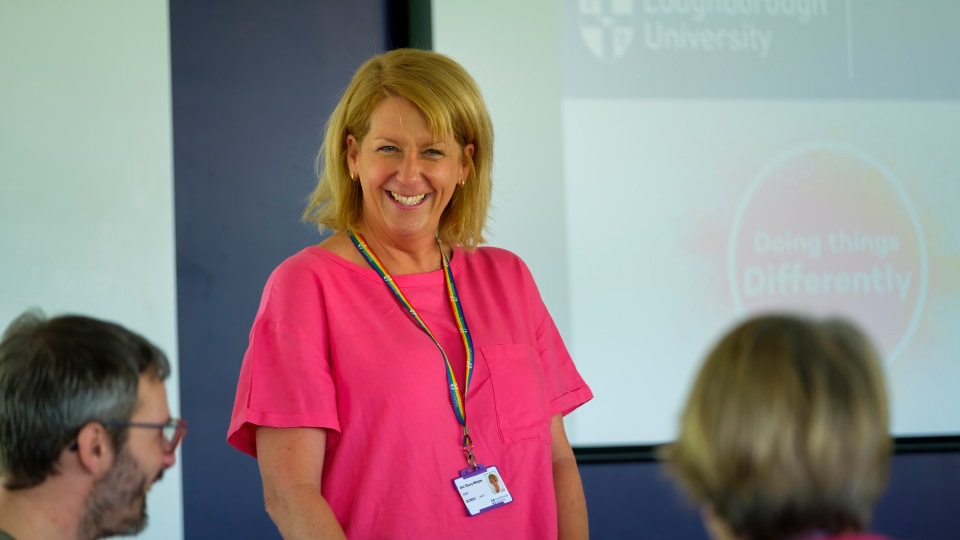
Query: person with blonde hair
(398,352)
(494,483)
(785,432)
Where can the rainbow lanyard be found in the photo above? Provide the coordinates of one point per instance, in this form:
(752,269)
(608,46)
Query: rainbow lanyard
(459,403)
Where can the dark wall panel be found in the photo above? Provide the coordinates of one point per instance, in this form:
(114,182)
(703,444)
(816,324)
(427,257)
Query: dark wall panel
(922,498)
(636,500)
(253,83)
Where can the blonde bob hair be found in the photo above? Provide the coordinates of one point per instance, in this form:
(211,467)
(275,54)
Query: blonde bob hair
(449,99)
(786,429)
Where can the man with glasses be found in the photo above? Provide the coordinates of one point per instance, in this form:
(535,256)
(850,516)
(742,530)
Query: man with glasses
(85,428)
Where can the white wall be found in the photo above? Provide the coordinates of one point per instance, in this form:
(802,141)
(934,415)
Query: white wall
(86,179)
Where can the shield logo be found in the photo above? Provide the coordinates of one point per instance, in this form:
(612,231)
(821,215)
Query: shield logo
(606,27)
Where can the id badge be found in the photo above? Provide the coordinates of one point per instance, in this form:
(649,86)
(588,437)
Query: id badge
(482,489)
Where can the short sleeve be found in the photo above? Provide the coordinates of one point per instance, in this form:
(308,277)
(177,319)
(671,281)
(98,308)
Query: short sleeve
(565,387)
(285,378)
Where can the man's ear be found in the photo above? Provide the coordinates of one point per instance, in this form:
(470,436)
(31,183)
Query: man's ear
(95,449)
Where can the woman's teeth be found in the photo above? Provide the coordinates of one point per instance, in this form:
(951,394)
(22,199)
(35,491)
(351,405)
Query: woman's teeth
(407,201)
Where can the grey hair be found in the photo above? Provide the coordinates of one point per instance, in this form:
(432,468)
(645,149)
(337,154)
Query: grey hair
(56,376)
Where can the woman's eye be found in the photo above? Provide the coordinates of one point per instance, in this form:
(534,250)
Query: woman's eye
(433,152)
(388,149)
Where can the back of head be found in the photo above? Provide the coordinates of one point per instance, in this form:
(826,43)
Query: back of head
(56,376)
(451,102)
(786,429)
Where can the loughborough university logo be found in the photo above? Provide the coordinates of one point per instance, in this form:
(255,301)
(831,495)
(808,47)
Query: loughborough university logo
(606,27)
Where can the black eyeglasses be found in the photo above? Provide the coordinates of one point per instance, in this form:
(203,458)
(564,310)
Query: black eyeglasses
(173,430)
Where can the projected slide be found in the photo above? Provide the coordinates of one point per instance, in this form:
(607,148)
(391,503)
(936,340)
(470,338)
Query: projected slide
(728,157)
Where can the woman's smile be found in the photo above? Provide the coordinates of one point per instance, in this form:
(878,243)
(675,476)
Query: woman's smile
(408,201)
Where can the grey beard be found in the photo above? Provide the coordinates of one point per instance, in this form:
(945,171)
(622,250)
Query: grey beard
(117,503)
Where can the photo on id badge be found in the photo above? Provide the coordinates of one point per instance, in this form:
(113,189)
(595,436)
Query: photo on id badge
(482,489)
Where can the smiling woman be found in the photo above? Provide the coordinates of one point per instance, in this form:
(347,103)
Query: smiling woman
(364,345)
(408,177)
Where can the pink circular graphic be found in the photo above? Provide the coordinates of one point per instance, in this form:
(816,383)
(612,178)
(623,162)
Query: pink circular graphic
(826,230)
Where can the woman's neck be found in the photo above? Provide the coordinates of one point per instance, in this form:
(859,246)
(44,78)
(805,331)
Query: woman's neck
(406,256)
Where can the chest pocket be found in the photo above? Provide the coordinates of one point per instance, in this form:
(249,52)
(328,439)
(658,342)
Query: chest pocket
(519,393)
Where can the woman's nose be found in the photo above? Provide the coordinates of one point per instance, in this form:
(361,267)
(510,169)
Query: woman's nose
(409,167)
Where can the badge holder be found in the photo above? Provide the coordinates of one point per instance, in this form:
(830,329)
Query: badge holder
(482,489)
